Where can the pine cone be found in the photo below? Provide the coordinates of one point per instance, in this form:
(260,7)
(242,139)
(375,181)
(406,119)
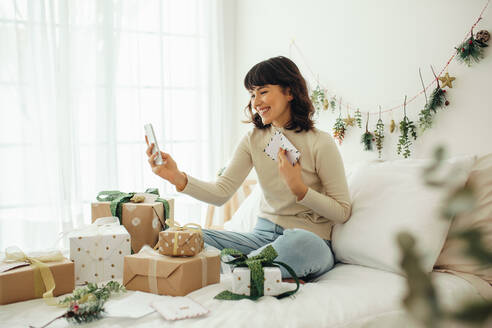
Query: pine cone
(482,36)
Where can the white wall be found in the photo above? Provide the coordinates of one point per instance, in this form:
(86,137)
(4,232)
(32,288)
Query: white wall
(369,52)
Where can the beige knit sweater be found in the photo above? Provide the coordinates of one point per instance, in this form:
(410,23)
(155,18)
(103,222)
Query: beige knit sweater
(326,202)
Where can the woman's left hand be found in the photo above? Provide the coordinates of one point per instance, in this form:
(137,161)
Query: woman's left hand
(291,174)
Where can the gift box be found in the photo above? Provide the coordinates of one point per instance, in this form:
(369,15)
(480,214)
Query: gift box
(20,281)
(143,221)
(181,241)
(151,272)
(98,250)
(241,281)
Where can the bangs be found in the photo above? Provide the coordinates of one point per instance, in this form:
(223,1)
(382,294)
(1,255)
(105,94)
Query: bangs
(261,74)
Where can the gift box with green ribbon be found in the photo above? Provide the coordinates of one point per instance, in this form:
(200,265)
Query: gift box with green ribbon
(144,215)
(258,267)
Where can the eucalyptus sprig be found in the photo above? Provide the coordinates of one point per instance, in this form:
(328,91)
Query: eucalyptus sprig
(318,98)
(333,103)
(339,130)
(379,134)
(407,130)
(358,118)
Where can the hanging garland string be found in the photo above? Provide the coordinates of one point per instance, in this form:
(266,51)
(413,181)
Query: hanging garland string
(457,52)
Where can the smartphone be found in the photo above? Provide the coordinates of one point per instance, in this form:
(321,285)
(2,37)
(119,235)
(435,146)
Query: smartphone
(149,132)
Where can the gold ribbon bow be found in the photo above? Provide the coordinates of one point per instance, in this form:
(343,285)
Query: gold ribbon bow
(44,283)
(174,226)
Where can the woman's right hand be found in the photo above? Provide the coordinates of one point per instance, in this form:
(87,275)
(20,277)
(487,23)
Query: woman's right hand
(168,170)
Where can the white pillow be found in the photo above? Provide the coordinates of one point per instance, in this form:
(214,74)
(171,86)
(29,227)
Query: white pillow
(388,198)
(244,220)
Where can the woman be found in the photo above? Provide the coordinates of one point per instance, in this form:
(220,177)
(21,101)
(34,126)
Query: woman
(300,202)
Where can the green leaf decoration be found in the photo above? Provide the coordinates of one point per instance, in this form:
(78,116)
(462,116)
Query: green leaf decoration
(339,130)
(379,137)
(333,103)
(358,118)
(318,98)
(407,130)
(425,119)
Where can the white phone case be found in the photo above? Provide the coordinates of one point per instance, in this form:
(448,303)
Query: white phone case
(149,132)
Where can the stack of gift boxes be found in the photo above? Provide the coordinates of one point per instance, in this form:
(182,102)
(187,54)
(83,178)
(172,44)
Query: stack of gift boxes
(103,251)
(178,268)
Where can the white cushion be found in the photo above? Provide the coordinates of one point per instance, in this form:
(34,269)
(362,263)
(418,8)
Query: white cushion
(244,219)
(388,198)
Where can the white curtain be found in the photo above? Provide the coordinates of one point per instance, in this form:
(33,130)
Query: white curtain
(78,80)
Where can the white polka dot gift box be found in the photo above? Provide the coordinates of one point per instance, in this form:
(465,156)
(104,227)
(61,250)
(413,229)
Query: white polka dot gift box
(181,241)
(98,250)
(241,281)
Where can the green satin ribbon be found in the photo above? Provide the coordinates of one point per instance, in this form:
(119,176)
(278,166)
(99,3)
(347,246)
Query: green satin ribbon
(117,198)
(255,264)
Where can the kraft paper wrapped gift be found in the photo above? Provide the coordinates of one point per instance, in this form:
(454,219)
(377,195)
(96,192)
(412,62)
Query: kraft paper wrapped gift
(20,281)
(143,221)
(241,281)
(181,241)
(149,271)
(98,250)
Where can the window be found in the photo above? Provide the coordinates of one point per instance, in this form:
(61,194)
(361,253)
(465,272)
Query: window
(78,80)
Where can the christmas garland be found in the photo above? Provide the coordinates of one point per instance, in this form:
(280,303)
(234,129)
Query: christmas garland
(471,50)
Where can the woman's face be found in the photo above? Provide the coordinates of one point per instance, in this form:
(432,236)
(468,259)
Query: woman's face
(272,103)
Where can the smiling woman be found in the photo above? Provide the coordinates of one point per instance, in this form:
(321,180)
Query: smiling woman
(301,200)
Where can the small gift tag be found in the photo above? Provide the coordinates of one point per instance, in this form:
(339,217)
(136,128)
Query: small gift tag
(279,140)
(178,307)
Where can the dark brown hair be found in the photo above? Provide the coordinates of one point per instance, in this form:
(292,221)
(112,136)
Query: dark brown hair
(283,72)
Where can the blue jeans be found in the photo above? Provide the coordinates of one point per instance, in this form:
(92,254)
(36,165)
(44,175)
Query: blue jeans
(305,252)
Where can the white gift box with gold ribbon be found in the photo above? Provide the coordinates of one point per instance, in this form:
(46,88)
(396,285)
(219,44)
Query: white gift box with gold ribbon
(241,281)
(98,250)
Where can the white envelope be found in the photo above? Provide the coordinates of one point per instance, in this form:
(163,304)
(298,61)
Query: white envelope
(280,140)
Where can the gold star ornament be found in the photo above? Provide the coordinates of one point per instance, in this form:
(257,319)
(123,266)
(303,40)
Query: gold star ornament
(447,81)
(349,121)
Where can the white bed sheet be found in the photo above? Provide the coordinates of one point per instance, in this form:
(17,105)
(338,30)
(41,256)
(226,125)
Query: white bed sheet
(347,296)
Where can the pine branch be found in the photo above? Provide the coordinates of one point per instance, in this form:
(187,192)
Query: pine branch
(470,51)
(437,99)
(366,140)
